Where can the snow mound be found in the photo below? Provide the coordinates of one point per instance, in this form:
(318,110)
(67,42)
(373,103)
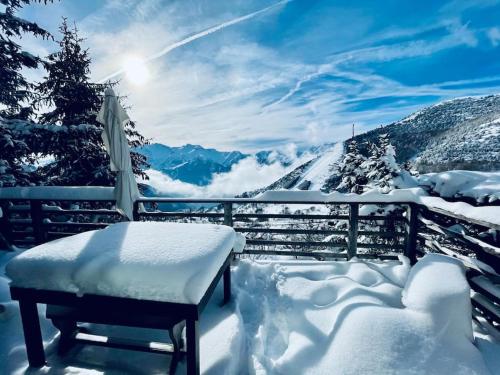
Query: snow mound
(348,318)
(484,187)
(437,285)
(174,262)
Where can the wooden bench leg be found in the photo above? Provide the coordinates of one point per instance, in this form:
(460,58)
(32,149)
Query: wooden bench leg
(227,284)
(32,333)
(68,329)
(175,334)
(193,347)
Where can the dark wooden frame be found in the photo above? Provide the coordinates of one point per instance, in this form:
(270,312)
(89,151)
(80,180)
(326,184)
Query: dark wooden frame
(29,298)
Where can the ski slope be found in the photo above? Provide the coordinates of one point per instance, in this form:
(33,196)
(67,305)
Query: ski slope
(319,171)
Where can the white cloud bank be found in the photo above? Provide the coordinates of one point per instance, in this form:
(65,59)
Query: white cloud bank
(246,175)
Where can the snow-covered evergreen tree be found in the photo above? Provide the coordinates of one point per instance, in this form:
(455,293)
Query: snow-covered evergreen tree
(15,90)
(353,176)
(409,167)
(12,151)
(381,167)
(74,100)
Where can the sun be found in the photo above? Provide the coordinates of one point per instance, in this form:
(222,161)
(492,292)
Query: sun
(136,70)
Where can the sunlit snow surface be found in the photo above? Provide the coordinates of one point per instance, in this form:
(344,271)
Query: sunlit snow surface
(157,261)
(299,317)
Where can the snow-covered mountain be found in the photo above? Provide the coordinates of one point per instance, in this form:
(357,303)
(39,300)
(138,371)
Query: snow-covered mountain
(462,133)
(319,173)
(193,164)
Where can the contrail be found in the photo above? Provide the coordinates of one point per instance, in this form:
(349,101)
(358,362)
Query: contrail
(201,34)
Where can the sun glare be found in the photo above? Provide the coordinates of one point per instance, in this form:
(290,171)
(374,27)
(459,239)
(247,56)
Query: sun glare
(136,70)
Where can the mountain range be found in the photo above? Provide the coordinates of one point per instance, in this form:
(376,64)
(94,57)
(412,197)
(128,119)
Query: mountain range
(196,165)
(462,133)
(190,163)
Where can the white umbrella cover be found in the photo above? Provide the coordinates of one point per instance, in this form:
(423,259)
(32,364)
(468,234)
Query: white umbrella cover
(114,118)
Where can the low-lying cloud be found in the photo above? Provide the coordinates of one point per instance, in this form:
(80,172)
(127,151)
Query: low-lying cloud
(246,175)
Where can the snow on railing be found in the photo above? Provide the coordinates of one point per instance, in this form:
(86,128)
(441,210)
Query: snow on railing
(484,215)
(73,193)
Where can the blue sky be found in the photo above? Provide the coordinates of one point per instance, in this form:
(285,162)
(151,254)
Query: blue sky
(263,74)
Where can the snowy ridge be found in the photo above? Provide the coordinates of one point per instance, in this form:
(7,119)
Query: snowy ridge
(474,142)
(321,169)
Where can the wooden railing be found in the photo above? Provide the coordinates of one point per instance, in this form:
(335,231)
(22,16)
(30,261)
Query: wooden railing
(306,233)
(336,230)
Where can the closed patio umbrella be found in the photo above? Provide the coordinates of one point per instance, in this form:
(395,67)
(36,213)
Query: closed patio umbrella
(114,118)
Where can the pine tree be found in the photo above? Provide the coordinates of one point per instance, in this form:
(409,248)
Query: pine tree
(353,176)
(371,164)
(381,167)
(409,167)
(11,152)
(74,100)
(15,90)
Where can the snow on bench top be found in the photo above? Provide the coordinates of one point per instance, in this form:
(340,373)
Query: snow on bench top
(170,262)
(58,192)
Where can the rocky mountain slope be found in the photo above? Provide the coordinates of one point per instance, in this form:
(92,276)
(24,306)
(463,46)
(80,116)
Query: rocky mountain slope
(462,133)
(319,173)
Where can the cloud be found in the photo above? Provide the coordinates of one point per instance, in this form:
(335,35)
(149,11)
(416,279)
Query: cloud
(286,77)
(458,34)
(494,36)
(460,6)
(201,34)
(246,175)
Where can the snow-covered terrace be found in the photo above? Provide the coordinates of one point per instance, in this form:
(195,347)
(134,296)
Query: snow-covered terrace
(289,314)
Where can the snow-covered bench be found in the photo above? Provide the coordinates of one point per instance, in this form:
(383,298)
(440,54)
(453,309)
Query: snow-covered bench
(162,272)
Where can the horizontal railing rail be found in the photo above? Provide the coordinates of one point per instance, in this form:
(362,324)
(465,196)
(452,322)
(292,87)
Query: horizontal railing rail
(312,232)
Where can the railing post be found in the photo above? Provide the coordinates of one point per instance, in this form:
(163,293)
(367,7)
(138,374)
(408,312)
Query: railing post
(352,244)
(135,213)
(37,221)
(228,214)
(411,232)
(6,227)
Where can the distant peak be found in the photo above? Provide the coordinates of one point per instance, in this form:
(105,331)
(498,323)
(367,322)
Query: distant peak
(189,145)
